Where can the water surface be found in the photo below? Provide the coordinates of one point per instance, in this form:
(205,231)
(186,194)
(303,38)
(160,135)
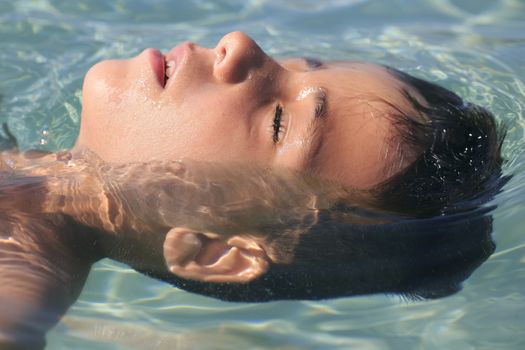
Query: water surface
(476,48)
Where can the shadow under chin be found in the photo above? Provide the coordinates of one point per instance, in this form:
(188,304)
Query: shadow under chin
(7,139)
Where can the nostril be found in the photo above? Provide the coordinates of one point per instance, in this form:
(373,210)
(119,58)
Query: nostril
(220,54)
(236,55)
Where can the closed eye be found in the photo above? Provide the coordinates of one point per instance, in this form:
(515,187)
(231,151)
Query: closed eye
(277,124)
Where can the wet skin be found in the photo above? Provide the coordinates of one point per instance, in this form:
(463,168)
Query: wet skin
(229,105)
(60,215)
(222,105)
(235,105)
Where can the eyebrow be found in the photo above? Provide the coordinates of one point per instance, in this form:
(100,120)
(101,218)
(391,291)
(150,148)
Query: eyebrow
(320,103)
(313,135)
(313,63)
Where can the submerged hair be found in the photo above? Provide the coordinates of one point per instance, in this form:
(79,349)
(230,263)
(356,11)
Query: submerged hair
(431,230)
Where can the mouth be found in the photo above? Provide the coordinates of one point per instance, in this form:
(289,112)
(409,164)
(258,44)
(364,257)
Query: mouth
(174,59)
(169,69)
(166,66)
(158,64)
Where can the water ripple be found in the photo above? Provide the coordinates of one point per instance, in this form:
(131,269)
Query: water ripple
(476,50)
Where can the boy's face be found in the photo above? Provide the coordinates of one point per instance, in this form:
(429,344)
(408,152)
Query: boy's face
(234,103)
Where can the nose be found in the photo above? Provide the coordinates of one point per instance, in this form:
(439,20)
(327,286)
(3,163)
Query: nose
(236,55)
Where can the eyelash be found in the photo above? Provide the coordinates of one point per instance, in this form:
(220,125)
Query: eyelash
(277,123)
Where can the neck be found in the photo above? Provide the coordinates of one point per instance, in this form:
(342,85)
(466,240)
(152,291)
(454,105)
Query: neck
(50,183)
(159,195)
(126,202)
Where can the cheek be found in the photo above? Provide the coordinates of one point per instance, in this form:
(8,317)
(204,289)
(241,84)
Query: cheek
(205,128)
(123,121)
(208,111)
(213,127)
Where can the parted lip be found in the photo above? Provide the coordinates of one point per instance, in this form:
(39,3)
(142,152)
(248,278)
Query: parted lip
(158,61)
(158,64)
(177,53)
(177,56)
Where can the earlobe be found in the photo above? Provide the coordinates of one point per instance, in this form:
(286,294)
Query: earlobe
(207,257)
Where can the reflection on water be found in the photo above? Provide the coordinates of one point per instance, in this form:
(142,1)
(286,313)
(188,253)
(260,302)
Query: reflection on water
(475,50)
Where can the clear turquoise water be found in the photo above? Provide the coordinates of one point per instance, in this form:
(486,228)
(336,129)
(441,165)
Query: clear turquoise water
(476,48)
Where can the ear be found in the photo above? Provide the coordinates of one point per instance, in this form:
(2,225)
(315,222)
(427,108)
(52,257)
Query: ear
(208,257)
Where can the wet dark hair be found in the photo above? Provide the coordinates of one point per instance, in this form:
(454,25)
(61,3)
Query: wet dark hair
(460,161)
(416,259)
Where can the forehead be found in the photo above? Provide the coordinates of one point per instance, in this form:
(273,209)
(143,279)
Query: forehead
(353,81)
(357,144)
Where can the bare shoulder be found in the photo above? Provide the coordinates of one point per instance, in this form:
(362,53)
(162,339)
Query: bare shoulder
(42,271)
